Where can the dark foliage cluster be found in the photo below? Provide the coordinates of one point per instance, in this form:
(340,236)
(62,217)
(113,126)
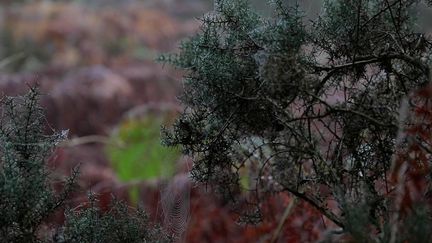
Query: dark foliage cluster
(27,198)
(119,224)
(317,110)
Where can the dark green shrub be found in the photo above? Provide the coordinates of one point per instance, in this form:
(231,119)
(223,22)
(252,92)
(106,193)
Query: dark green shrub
(90,225)
(26,194)
(314,111)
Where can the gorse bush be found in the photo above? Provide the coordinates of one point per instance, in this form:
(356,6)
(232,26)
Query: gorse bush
(91,225)
(26,194)
(26,197)
(325,112)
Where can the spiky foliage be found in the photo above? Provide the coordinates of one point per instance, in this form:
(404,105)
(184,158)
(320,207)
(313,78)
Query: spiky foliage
(26,197)
(119,224)
(314,108)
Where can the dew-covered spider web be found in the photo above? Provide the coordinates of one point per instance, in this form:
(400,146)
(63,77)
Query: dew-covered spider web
(175,204)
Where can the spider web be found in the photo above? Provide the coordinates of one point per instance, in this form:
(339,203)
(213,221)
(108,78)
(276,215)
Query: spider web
(175,205)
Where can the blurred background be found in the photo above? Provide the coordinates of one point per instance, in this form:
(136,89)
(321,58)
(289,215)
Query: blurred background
(94,63)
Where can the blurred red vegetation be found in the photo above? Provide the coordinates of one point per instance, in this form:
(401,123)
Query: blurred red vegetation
(76,34)
(411,165)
